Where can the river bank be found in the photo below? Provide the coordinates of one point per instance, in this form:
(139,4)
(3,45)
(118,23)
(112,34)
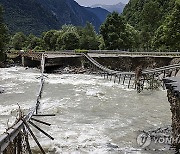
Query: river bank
(2,65)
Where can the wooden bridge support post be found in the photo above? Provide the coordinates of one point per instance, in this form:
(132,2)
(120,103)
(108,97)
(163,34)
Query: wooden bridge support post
(176,71)
(34,137)
(111,77)
(119,79)
(27,140)
(115,78)
(143,83)
(129,81)
(153,81)
(23,61)
(93,68)
(82,63)
(90,68)
(124,79)
(104,75)
(107,75)
(170,74)
(164,75)
(135,84)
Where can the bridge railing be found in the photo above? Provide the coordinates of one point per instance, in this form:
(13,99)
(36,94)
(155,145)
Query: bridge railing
(123,52)
(112,52)
(164,68)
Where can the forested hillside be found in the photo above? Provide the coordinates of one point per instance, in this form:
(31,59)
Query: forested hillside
(28,16)
(145,25)
(70,12)
(3,36)
(147,14)
(37,16)
(153,19)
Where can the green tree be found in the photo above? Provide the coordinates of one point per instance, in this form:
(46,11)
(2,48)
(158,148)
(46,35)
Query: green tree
(19,41)
(132,37)
(33,42)
(147,16)
(70,41)
(167,35)
(89,40)
(151,16)
(117,34)
(102,44)
(113,31)
(68,28)
(3,35)
(50,39)
(61,32)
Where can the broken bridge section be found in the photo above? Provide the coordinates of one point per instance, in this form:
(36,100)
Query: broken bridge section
(15,139)
(151,78)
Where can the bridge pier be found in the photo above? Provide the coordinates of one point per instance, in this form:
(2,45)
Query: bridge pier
(22,60)
(129,81)
(29,62)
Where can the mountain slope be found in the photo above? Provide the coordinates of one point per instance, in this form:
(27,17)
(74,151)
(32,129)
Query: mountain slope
(70,12)
(27,16)
(118,7)
(37,16)
(99,12)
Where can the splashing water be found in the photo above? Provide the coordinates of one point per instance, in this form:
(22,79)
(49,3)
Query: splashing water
(93,115)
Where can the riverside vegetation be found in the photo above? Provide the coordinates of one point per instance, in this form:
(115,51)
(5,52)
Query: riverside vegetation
(147,25)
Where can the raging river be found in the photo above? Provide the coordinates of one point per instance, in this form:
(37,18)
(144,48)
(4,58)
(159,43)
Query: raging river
(93,115)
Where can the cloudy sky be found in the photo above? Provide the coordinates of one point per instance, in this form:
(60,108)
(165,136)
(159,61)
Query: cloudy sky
(92,2)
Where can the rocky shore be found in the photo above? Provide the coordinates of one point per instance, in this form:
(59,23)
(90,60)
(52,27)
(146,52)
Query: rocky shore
(1,90)
(72,70)
(2,65)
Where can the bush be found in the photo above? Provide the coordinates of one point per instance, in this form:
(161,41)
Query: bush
(81,51)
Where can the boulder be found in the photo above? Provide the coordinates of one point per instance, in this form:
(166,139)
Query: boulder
(1,90)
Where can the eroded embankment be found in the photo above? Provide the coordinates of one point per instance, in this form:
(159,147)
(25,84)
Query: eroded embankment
(115,63)
(173,94)
(130,63)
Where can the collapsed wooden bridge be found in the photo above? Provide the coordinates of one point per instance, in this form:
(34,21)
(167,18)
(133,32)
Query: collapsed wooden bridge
(139,79)
(11,140)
